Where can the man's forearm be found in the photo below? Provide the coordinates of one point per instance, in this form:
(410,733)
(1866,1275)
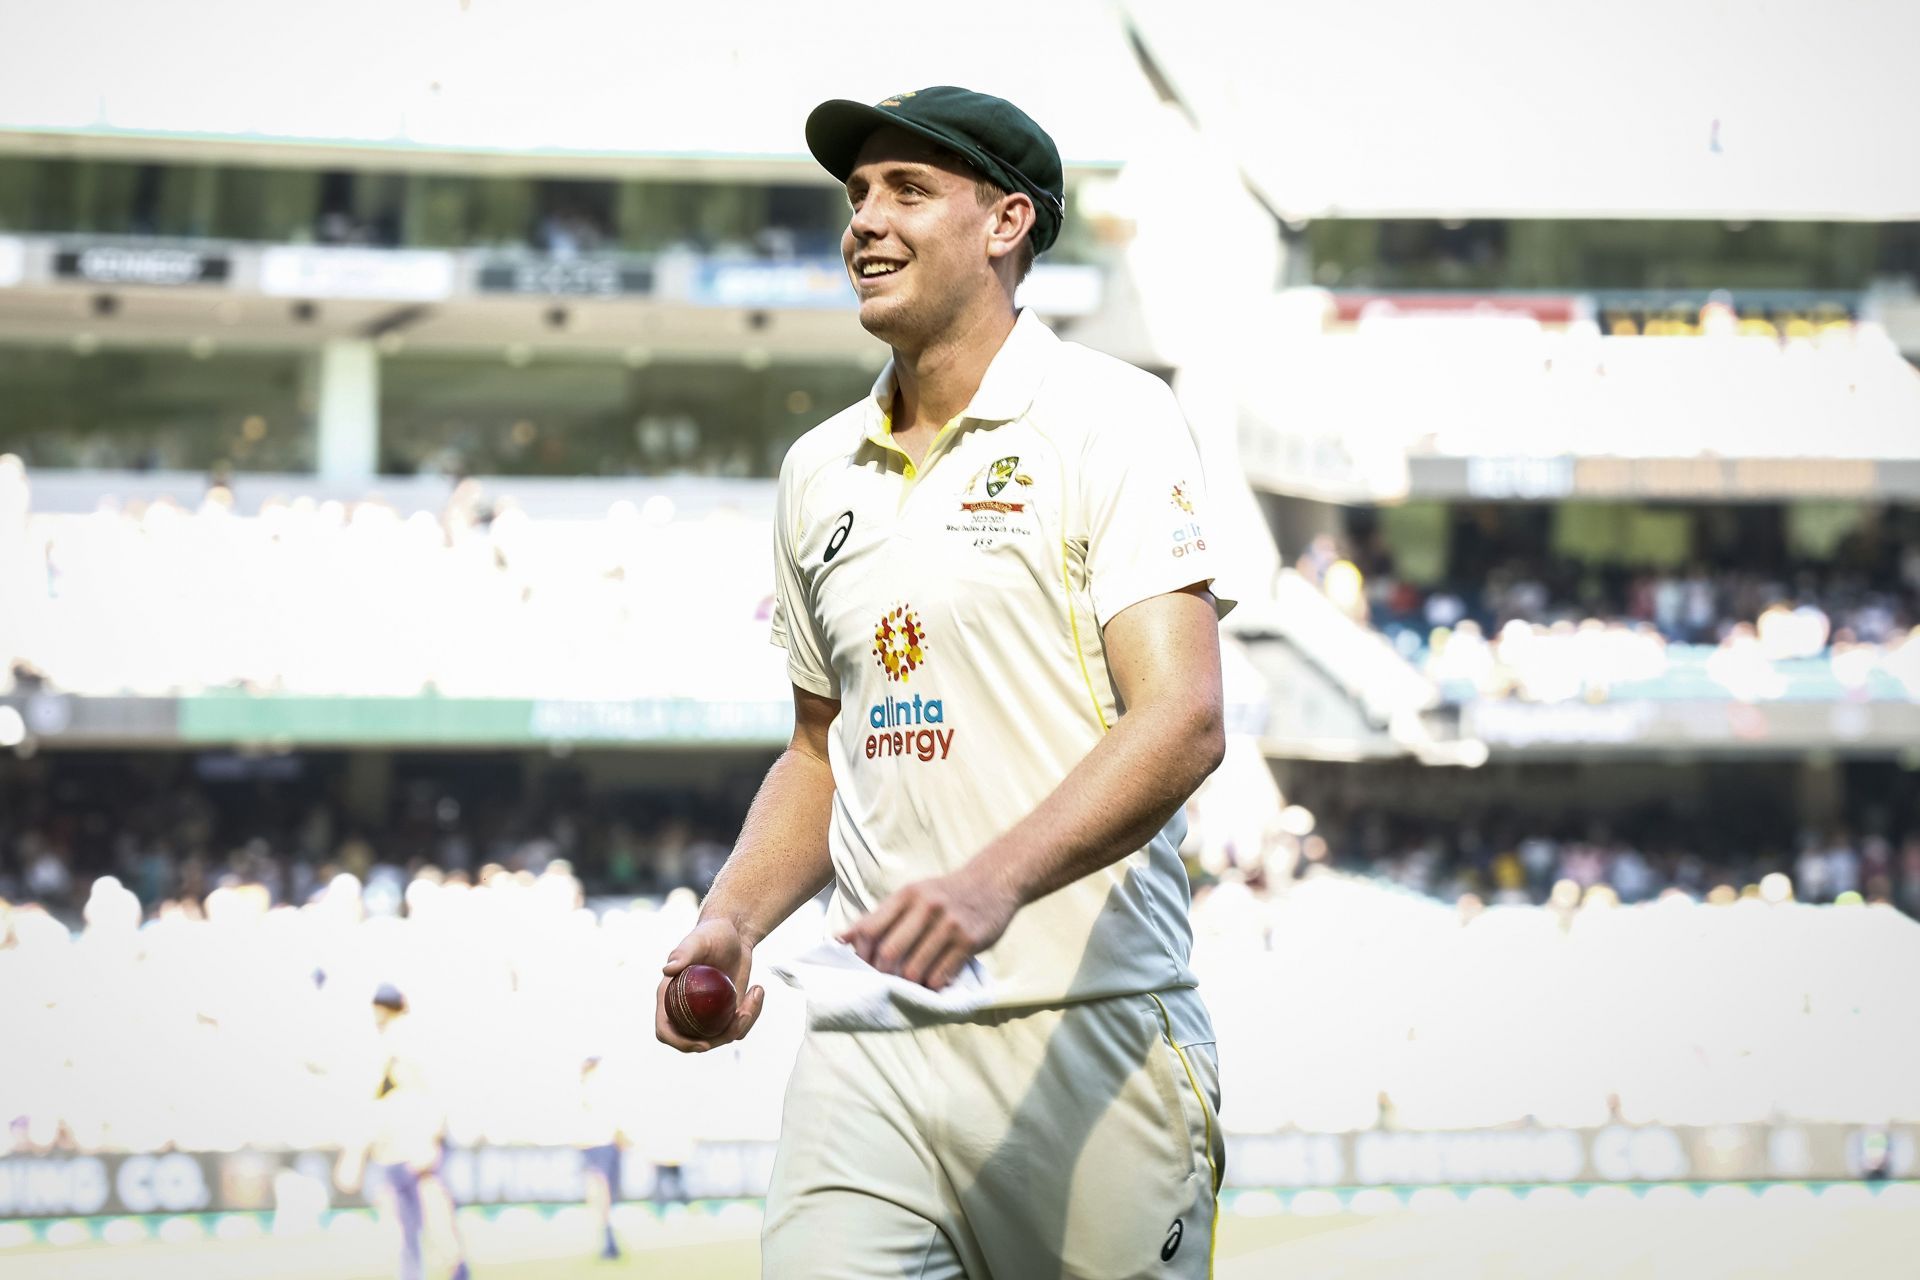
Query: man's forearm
(1113,802)
(780,859)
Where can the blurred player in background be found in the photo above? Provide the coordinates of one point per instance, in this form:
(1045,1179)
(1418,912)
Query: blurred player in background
(601,1154)
(979,570)
(405,1145)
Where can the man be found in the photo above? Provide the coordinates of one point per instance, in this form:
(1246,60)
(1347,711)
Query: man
(404,1144)
(993,586)
(600,1163)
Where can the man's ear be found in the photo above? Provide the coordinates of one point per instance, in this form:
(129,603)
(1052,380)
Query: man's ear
(1012,214)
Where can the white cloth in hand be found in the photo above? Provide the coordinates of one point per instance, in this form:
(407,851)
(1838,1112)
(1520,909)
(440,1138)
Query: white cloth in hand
(845,993)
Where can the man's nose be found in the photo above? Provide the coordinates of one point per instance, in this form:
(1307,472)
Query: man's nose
(867,222)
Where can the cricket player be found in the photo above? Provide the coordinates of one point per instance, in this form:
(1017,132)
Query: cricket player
(993,583)
(403,1149)
(600,1154)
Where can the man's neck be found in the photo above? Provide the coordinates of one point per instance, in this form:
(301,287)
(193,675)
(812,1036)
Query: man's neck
(932,385)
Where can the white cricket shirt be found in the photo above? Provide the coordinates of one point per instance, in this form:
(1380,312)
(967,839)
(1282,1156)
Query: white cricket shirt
(955,610)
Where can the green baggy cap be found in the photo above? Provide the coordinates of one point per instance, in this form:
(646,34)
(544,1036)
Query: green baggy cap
(989,133)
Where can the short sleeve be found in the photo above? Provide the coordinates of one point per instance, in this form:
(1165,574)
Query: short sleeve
(795,628)
(1148,527)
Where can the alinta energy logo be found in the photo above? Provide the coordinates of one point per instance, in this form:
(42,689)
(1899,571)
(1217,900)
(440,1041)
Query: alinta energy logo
(1187,538)
(900,643)
(903,727)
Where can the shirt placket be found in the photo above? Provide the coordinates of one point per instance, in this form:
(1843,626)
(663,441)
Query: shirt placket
(939,447)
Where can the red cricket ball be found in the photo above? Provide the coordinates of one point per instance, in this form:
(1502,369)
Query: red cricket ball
(701,1002)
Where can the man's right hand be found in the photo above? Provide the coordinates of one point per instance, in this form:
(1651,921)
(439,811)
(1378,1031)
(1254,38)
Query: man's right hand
(715,942)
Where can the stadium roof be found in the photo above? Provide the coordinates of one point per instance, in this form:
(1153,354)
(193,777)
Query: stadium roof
(1507,108)
(570,83)
(1640,108)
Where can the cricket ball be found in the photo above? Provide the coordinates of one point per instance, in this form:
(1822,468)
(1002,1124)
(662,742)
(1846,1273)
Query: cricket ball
(701,1002)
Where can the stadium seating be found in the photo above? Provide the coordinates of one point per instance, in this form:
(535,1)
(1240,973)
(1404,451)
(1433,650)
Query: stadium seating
(325,598)
(1508,387)
(1348,1006)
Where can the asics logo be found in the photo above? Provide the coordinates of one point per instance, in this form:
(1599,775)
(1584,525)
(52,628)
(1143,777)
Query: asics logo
(839,539)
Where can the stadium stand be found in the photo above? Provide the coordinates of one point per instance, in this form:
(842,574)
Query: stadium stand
(174,827)
(251,1020)
(324,597)
(1376,1009)
(1560,629)
(1351,1007)
(1508,385)
(1642,863)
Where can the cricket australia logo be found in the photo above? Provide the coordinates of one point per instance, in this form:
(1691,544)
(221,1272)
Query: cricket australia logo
(900,643)
(998,476)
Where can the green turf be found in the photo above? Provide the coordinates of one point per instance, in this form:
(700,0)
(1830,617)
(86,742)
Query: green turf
(514,1245)
(1727,1232)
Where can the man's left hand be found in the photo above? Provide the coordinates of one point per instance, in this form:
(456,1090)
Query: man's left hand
(928,931)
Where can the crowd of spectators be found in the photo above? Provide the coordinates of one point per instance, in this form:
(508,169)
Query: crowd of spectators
(247,1023)
(235,928)
(1596,659)
(1490,854)
(1344,1005)
(325,597)
(1347,1005)
(1550,631)
(1796,615)
(175,827)
(568,219)
(230,917)
(1557,868)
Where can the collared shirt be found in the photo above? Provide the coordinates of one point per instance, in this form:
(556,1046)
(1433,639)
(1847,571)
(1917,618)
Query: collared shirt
(407,1121)
(955,609)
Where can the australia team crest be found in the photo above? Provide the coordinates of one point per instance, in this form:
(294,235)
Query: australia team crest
(997,475)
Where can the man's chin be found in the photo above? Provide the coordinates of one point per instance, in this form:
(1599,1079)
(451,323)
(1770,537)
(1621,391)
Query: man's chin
(884,318)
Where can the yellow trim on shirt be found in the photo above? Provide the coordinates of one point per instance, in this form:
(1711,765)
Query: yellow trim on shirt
(884,440)
(1073,621)
(1213,1171)
(1066,585)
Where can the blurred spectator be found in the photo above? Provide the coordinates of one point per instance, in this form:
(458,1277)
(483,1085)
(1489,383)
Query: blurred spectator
(568,232)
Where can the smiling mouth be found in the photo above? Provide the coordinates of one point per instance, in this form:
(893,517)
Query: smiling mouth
(876,270)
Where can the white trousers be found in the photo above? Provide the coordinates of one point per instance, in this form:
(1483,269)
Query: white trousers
(1074,1141)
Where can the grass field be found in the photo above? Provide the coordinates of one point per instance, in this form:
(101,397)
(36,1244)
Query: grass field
(1666,1234)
